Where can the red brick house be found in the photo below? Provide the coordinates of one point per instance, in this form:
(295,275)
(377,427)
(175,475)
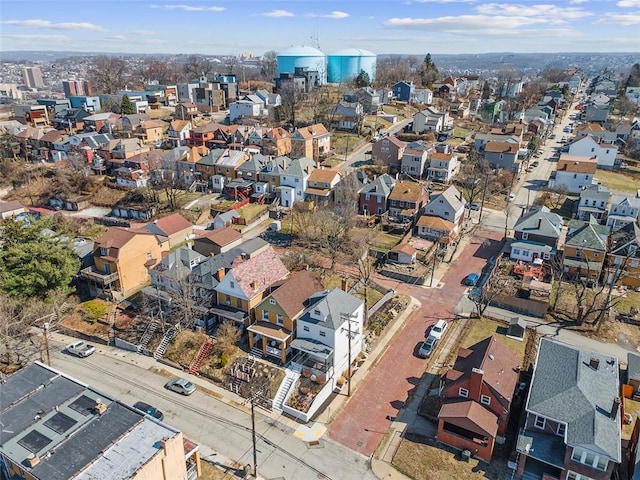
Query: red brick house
(477,396)
(374,196)
(388,151)
(406,200)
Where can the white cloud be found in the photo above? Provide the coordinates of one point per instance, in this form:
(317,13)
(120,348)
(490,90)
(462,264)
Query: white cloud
(467,23)
(118,38)
(336,14)
(446,1)
(51,38)
(532,10)
(577,2)
(144,32)
(189,8)
(278,14)
(38,23)
(628,3)
(625,19)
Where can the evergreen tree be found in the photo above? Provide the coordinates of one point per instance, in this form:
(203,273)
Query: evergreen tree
(362,80)
(428,72)
(126,106)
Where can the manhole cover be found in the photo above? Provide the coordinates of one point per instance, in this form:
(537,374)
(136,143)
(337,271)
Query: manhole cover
(359,443)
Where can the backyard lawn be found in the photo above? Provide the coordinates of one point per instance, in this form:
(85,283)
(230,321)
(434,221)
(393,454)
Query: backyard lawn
(623,182)
(479,329)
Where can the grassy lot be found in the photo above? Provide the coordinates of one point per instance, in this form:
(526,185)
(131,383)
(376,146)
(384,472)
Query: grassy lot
(480,329)
(623,182)
(624,304)
(252,211)
(333,162)
(425,462)
(340,141)
(385,241)
(373,296)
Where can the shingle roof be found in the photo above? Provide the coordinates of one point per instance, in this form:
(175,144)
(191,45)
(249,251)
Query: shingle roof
(541,221)
(220,236)
(501,147)
(293,293)
(567,388)
(331,304)
(300,167)
(471,416)
(577,164)
(593,237)
(256,273)
(407,191)
(381,184)
(169,225)
(435,223)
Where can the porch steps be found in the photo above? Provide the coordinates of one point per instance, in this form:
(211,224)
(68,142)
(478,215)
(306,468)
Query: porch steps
(255,353)
(164,344)
(148,334)
(281,395)
(204,350)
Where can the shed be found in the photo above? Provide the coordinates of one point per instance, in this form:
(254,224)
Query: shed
(517,327)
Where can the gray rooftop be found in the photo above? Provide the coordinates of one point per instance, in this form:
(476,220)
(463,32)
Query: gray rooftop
(300,167)
(633,366)
(51,416)
(593,237)
(331,304)
(541,222)
(381,184)
(567,388)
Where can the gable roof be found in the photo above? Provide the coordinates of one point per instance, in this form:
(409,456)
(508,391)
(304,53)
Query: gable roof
(115,238)
(497,361)
(300,167)
(501,147)
(323,175)
(393,140)
(626,240)
(219,236)
(407,191)
(169,225)
(332,304)
(451,196)
(541,221)
(435,223)
(295,291)
(254,274)
(577,164)
(471,416)
(589,236)
(381,184)
(578,394)
(179,125)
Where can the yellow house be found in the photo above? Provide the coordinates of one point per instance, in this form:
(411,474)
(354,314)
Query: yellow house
(585,249)
(121,259)
(246,284)
(312,142)
(276,316)
(152,131)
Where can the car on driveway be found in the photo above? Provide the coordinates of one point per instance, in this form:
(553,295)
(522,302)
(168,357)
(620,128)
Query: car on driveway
(149,410)
(427,347)
(181,386)
(80,349)
(471,280)
(437,329)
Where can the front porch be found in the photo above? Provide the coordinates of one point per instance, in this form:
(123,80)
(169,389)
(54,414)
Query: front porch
(541,456)
(221,314)
(272,340)
(311,355)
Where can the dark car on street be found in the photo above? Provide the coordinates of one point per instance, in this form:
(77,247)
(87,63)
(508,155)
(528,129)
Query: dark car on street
(149,410)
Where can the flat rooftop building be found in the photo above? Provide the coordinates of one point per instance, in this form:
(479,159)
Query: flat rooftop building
(56,428)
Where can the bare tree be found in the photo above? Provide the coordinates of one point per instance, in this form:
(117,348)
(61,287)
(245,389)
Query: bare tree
(333,233)
(107,74)
(197,66)
(269,65)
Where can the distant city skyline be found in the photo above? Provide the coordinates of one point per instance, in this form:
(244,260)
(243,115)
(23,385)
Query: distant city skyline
(234,27)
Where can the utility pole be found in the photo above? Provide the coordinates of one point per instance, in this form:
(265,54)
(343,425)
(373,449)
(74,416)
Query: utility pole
(45,328)
(253,437)
(348,318)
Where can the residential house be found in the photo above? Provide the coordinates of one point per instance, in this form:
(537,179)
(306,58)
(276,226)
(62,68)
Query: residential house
(481,140)
(251,106)
(328,331)
(122,148)
(178,133)
(250,169)
(151,131)
(131,122)
(347,116)
(71,119)
(436,228)
(11,209)
(224,219)
(367,97)
(313,141)
(623,263)
(594,201)
(276,142)
(216,241)
(477,396)
(246,284)
(537,234)
(490,111)
(597,131)
(388,151)
(423,95)
(33,115)
(585,249)
(276,316)
(100,121)
(202,134)
(443,167)
(406,200)
(229,162)
(623,209)
(588,146)
(403,91)
(596,112)
(205,168)
(502,154)
(374,196)
(449,206)
(171,230)
(121,258)
(271,173)
(294,181)
(57,427)
(573,173)
(431,120)
(572,426)
(321,185)
(414,162)
(403,253)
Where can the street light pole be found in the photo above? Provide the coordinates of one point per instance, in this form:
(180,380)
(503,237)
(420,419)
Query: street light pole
(253,437)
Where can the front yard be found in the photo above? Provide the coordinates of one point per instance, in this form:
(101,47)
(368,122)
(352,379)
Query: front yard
(628,181)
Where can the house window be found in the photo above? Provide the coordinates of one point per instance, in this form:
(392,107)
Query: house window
(317,312)
(232,284)
(525,235)
(103,252)
(485,400)
(305,328)
(272,301)
(279,320)
(516,251)
(239,302)
(322,333)
(561,429)
(540,422)
(588,458)
(367,197)
(265,315)
(228,300)
(463,392)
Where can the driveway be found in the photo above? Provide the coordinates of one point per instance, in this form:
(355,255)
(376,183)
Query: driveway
(367,416)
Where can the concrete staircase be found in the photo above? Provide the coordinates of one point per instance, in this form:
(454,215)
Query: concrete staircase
(281,395)
(204,350)
(164,344)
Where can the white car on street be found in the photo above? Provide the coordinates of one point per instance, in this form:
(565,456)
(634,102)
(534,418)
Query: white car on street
(80,349)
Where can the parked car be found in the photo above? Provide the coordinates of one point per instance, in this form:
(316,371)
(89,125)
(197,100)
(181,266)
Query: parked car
(552,136)
(149,410)
(181,386)
(427,347)
(437,330)
(80,349)
(471,280)
(474,206)
(512,197)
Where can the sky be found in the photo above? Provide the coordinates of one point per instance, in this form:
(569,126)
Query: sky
(233,27)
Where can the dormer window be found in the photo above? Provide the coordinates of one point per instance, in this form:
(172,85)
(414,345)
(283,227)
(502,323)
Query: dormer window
(103,252)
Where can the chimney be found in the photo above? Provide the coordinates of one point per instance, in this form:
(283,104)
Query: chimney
(220,274)
(475,383)
(594,363)
(100,407)
(614,408)
(344,284)
(254,284)
(33,460)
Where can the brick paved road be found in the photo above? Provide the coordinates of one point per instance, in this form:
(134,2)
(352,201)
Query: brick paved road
(366,417)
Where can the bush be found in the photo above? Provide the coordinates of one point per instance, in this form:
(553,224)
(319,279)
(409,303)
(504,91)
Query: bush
(93,310)
(224,360)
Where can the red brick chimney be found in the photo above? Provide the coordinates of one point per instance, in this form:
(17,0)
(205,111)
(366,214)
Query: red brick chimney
(475,383)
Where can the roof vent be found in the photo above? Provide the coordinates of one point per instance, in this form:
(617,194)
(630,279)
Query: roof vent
(491,357)
(33,460)
(594,363)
